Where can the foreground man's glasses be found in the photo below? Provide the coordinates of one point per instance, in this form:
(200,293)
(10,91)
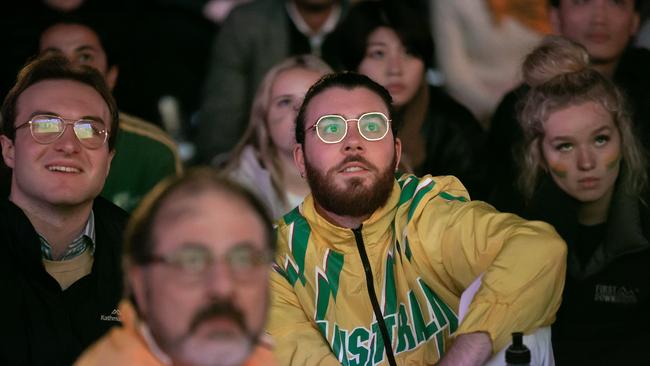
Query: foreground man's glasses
(332,128)
(47,128)
(194,261)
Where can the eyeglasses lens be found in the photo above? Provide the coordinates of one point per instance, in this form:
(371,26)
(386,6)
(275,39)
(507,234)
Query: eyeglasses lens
(46,129)
(332,128)
(195,260)
(373,126)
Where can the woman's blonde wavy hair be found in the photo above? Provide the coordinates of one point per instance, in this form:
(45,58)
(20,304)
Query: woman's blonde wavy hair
(559,76)
(257,134)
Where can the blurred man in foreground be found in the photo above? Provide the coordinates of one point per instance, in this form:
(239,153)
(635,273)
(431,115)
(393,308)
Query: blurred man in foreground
(197,254)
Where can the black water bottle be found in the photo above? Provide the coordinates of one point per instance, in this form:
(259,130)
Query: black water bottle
(517,354)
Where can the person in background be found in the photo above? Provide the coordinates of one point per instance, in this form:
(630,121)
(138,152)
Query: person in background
(370,267)
(197,255)
(253,38)
(21,23)
(145,154)
(584,171)
(263,159)
(605,28)
(60,269)
(480,45)
(392,45)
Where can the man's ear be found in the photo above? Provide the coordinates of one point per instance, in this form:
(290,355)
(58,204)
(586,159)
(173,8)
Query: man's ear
(7,151)
(136,277)
(299,159)
(111,76)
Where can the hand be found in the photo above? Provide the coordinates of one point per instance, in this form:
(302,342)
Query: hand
(468,349)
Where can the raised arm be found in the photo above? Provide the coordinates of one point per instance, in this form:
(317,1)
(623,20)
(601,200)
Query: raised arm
(524,264)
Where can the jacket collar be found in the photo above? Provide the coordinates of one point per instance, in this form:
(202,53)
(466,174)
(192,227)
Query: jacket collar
(626,228)
(374,230)
(624,232)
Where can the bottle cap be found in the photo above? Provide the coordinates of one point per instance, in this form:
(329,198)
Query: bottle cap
(518,353)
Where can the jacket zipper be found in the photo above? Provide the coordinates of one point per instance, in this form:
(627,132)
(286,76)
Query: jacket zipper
(373,296)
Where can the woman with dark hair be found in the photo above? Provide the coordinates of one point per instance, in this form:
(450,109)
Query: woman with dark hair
(392,45)
(582,170)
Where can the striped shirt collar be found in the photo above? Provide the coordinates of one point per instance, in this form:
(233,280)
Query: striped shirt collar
(85,240)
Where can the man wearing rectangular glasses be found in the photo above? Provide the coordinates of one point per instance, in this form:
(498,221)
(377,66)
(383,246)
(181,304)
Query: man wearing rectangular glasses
(60,273)
(145,153)
(370,268)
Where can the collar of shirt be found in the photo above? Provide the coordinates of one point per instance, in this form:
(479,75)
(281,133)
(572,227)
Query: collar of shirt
(85,240)
(152,345)
(315,38)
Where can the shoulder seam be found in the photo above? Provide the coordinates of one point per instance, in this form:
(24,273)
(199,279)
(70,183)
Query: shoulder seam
(138,126)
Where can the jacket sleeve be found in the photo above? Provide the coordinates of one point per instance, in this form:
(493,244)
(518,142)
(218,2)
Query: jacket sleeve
(297,340)
(523,262)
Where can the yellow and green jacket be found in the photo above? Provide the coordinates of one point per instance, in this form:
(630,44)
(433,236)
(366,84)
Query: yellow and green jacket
(409,262)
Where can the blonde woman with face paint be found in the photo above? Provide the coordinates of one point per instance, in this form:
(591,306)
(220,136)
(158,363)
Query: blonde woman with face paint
(583,171)
(263,159)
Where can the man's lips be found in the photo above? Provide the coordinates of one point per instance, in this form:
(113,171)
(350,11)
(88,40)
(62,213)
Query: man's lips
(353,165)
(219,324)
(63,168)
(353,168)
(220,327)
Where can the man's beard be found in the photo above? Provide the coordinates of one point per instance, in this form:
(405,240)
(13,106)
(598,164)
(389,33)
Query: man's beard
(216,347)
(355,199)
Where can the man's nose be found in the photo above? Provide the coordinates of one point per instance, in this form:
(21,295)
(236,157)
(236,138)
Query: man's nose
(219,281)
(353,141)
(68,142)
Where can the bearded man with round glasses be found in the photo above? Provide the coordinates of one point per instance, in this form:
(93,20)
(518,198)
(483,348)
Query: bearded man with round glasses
(60,273)
(371,266)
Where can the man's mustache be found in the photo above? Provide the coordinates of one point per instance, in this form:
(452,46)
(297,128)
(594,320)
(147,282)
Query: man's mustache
(354,159)
(224,309)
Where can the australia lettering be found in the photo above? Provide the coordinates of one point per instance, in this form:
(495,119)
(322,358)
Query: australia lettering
(410,323)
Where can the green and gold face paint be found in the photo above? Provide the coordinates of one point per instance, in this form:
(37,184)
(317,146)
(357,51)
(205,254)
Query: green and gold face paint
(559,170)
(613,162)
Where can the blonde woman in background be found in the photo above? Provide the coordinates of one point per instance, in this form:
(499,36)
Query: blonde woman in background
(263,158)
(583,171)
